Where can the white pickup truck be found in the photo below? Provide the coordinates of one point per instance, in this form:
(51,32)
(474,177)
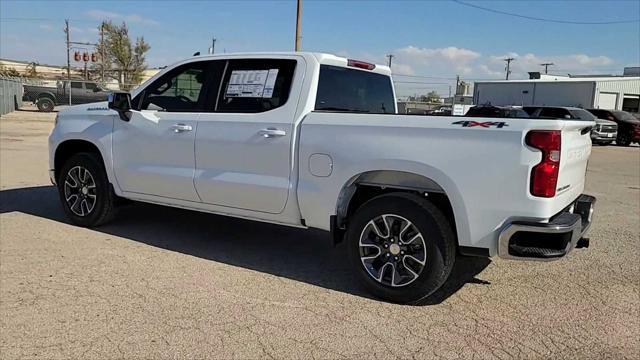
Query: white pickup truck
(313,140)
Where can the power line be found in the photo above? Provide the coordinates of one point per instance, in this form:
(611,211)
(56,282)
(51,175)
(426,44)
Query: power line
(546,19)
(425,77)
(45,19)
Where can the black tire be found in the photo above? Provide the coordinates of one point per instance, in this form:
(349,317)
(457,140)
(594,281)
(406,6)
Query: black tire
(623,140)
(436,232)
(45,104)
(103,208)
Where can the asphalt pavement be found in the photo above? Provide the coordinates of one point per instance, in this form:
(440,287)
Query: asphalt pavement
(167,283)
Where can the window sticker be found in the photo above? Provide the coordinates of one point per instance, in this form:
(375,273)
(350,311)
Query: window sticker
(252,83)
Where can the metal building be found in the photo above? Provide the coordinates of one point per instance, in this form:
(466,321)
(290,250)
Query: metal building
(604,92)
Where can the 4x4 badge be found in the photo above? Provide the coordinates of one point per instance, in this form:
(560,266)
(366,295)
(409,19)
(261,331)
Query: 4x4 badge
(485,124)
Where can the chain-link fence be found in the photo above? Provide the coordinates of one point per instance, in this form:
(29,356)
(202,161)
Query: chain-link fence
(11,91)
(49,95)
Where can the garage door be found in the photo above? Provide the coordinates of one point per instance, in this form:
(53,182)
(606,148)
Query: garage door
(607,101)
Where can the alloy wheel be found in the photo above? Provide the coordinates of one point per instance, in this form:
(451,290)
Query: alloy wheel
(392,250)
(80,191)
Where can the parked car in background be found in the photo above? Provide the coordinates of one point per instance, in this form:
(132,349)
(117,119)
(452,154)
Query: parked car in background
(603,133)
(444,110)
(628,125)
(491,111)
(48,97)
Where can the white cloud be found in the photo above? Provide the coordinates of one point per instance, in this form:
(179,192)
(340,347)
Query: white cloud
(46,27)
(436,68)
(562,64)
(108,15)
(426,55)
(412,60)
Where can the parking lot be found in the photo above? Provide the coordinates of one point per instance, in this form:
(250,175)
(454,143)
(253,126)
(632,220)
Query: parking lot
(161,282)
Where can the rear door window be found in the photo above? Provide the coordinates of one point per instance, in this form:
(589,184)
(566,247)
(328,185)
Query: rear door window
(255,85)
(351,90)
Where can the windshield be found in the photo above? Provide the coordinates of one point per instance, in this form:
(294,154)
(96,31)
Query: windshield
(623,115)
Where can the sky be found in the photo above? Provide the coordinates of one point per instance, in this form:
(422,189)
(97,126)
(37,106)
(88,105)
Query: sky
(432,41)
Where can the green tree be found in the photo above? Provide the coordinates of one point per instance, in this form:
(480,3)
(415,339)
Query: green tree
(31,70)
(8,71)
(123,60)
(432,96)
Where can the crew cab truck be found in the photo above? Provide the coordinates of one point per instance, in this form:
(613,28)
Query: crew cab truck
(313,140)
(47,98)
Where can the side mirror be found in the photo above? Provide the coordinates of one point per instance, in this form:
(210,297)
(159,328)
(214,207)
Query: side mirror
(120,102)
(97,89)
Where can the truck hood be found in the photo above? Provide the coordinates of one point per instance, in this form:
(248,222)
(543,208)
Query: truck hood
(605,122)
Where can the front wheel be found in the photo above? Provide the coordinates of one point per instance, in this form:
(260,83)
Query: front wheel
(85,192)
(45,104)
(402,246)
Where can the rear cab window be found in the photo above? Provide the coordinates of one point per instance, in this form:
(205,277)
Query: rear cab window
(352,90)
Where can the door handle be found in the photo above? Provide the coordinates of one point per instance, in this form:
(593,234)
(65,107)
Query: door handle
(178,128)
(272,132)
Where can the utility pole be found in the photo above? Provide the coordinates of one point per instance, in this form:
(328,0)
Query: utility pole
(546,66)
(212,49)
(508,67)
(299,25)
(390,56)
(66,31)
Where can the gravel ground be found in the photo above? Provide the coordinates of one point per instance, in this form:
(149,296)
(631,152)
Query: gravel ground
(168,283)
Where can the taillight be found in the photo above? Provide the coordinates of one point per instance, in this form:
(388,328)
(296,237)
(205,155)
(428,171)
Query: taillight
(544,176)
(361,64)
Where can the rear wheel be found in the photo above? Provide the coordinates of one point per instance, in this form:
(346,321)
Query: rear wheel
(45,104)
(85,192)
(402,247)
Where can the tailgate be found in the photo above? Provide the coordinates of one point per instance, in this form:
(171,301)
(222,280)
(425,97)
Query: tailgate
(575,152)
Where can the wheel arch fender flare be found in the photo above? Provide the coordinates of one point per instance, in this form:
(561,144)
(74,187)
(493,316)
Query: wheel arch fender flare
(411,176)
(46,95)
(69,146)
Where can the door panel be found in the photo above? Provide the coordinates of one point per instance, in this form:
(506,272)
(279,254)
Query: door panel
(237,166)
(243,150)
(153,154)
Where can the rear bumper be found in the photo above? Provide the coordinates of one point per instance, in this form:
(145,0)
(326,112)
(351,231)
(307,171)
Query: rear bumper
(531,240)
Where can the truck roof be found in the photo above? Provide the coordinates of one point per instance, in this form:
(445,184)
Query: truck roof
(322,58)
